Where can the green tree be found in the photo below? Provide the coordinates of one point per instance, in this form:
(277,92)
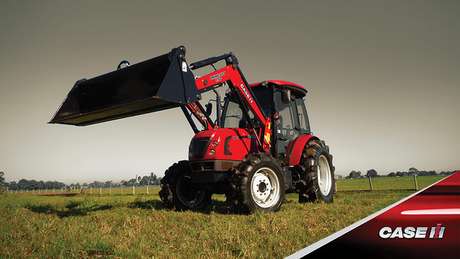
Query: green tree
(354,174)
(371,173)
(144,181)
(413,170)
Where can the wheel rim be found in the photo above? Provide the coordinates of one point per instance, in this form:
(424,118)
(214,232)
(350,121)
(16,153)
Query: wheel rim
(187,194)
(265,187)
(324,175)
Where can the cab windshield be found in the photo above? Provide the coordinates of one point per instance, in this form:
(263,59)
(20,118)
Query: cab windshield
(233,115)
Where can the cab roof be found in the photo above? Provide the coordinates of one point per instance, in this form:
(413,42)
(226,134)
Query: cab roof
(281,83)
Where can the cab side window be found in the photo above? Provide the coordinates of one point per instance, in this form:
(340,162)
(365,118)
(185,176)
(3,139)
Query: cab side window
(302,114)
(286,112)
(286,118)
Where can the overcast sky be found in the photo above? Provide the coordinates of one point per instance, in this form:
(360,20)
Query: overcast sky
(383,78)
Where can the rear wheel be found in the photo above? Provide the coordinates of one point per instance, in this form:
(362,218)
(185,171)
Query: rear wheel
(260,184)
(179,192)
(319,173)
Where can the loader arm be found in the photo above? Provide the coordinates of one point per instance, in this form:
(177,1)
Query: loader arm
(232,75)
(197,110)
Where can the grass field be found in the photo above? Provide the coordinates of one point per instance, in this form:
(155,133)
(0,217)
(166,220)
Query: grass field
(386,183)
(131,226)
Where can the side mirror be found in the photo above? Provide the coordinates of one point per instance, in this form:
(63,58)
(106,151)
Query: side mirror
(286,97)
(208,109)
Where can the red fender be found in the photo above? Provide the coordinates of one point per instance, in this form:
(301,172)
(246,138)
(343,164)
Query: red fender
(295,148)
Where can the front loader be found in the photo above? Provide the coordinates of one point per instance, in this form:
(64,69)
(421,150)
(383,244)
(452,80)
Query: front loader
(257,148)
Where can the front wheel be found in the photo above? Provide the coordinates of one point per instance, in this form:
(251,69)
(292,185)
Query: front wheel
(178,191)
(261,184)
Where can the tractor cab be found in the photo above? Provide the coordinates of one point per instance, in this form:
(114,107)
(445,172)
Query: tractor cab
(281,101)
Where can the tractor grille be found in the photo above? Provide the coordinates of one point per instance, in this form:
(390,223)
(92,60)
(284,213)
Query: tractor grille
(202,166)
(198,147)
(213,165)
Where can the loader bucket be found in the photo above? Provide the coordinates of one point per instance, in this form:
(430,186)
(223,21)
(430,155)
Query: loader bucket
(153,85)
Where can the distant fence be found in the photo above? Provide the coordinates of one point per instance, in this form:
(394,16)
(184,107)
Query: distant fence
(358,184)
(119,190)
(386,183)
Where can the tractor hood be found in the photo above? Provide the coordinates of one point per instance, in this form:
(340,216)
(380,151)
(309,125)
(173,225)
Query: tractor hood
(153,85)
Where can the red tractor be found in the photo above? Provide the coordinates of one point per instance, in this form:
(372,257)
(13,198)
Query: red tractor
(257,148)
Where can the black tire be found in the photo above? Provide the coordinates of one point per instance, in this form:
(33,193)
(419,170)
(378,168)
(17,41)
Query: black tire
(177,191)
(316,153)
(256,167)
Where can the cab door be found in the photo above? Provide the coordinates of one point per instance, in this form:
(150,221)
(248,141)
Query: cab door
(286,121)
(302,116)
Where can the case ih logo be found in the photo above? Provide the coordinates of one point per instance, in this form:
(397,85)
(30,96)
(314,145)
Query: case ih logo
(218,77)
(246,93)
(412,232)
